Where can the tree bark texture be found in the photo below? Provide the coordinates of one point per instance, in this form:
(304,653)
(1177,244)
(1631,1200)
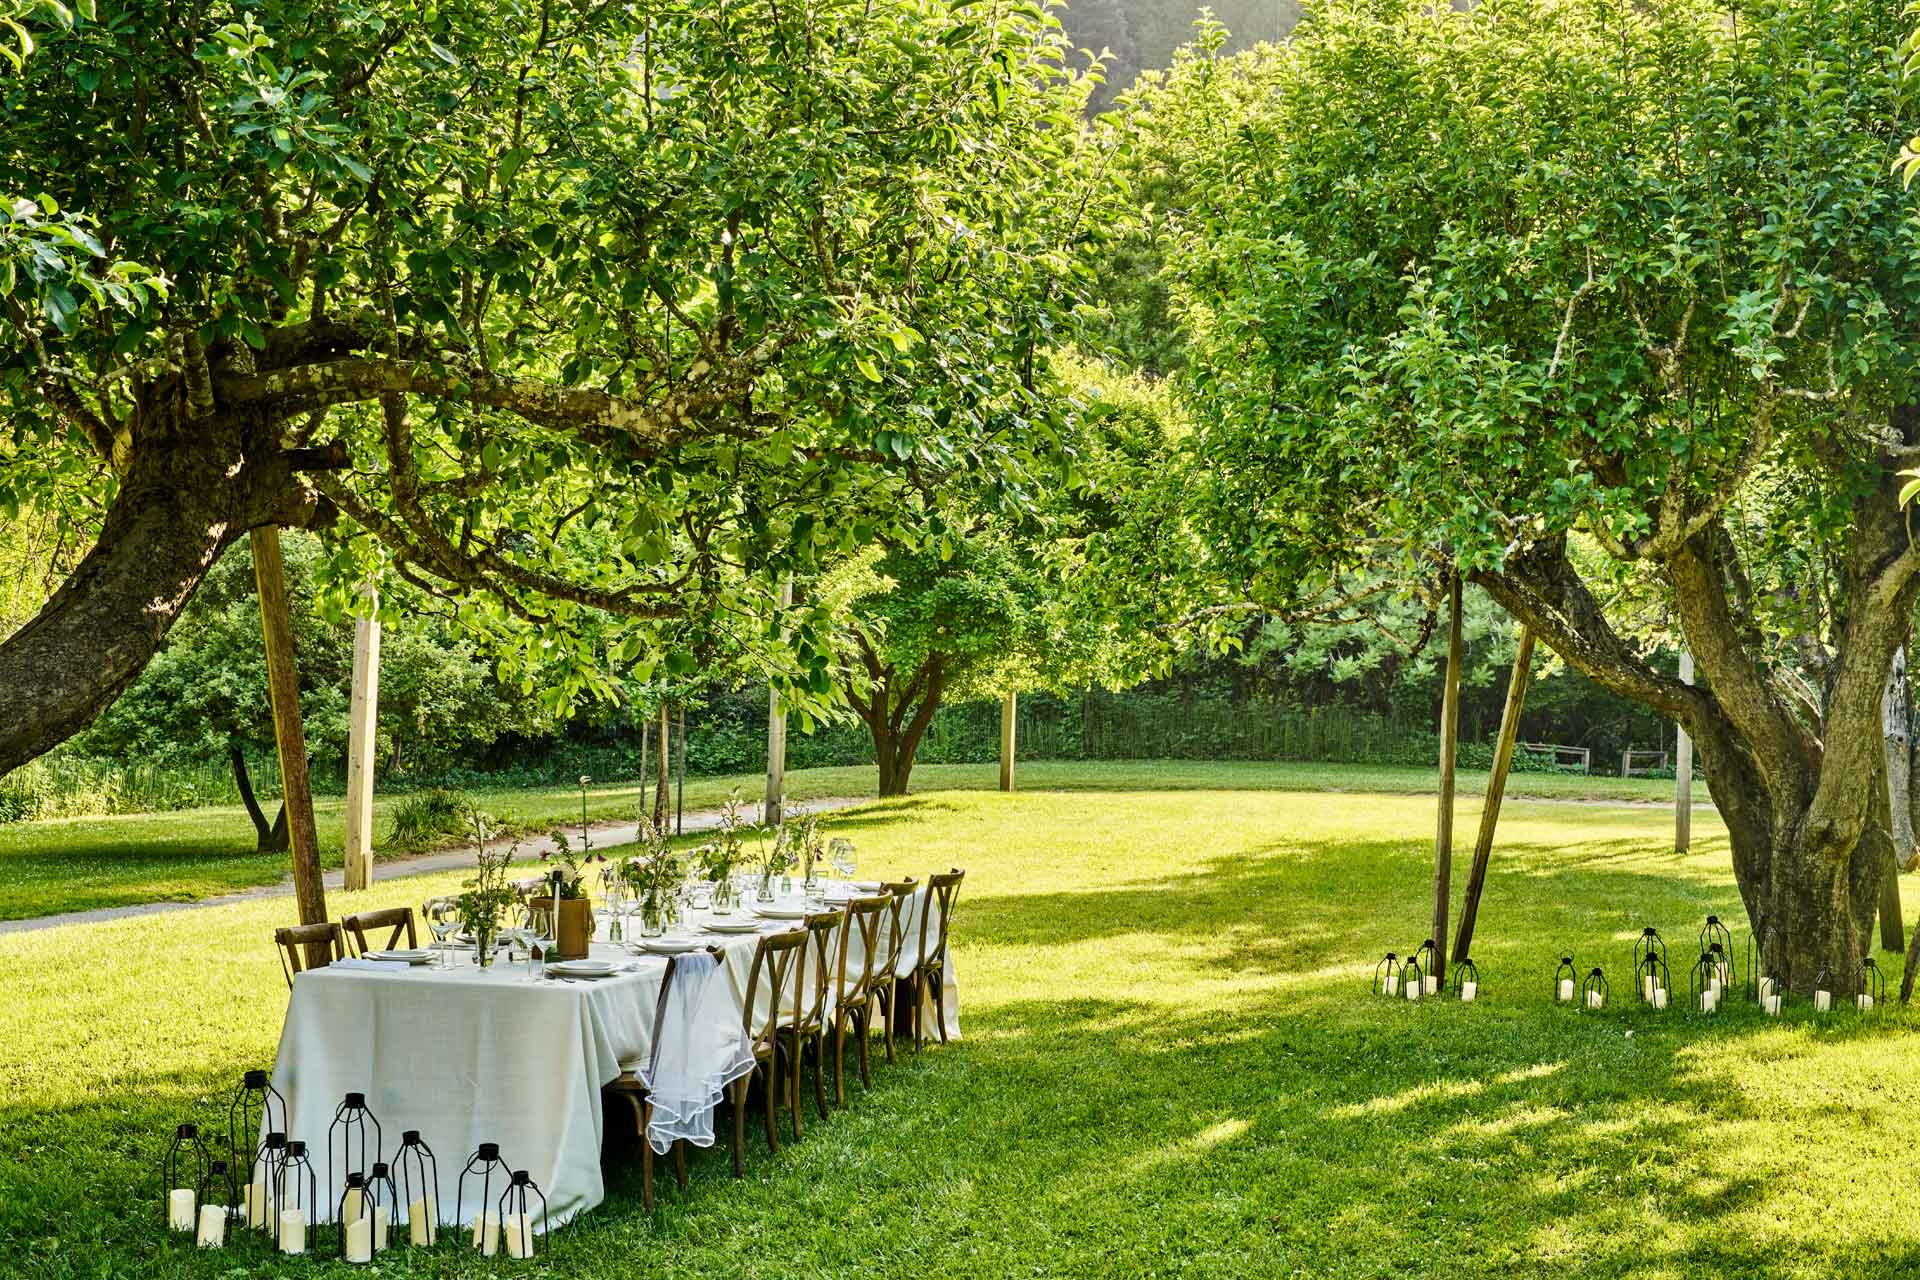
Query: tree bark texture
(897,709)
(268,837)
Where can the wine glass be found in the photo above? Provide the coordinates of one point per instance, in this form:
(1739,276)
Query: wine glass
(841,851)
(443,918)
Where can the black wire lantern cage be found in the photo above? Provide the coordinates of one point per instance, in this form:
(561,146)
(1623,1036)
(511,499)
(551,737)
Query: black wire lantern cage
(184,1169)
(484,1165)
(218,1187)
(257,1109)
(419,1187)
(1386,975)
(1776,992)
(268,1181)
(1413,979)
(1713,931)
(516,1214)
(1723,970)
(1593,991)
(1429,961)
(383,1202)
(1823,990)
(1466,980)
(1873,987)
(347,1149)
(1763,942)
(1648,943)
(354,1207)
(1565,979)
(299,1190)
(1703,985)
(1652,980)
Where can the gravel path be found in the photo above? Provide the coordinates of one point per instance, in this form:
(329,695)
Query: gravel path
(606,835)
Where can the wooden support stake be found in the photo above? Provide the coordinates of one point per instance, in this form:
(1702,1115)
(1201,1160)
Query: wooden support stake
(663,778)
(1449,744)
(1683,771)
(773,808)
(1496,793)
(283,683)
(362,721)
(680,769)
(1008,708)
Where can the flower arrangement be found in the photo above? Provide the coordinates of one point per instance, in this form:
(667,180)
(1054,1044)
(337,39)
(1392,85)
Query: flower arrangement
(718,858)
(488,893)
(809,844)
(654,874)
(773,857)
(570,864)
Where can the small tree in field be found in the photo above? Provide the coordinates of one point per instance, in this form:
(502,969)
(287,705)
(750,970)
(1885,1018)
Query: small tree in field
(1603,304)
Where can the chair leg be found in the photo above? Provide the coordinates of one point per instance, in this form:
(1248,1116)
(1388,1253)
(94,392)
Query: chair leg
(918,992)
(820,1070)
(840,1060)
(886,1014)
(646,1160)
(793,1095)
(739,1088)
(866,1076)
(938,980)
(772,1101)
(680,1162)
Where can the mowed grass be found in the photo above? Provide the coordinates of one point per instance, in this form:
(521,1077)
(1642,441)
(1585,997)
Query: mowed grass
(75,864)
(1172,1067)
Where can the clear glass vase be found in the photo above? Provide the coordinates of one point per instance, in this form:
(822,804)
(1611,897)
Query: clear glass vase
(723,896)
(653,919)
(766,887)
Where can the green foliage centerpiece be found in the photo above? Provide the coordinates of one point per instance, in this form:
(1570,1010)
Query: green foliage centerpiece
(717,859)
(773,857)
(653,877)
(809,845)
(486,896)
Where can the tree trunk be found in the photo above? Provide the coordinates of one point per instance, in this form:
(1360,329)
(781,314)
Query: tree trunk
(267,839)
(1496,794)
(283,680)
(895,743)
(663,777)
(1443,829)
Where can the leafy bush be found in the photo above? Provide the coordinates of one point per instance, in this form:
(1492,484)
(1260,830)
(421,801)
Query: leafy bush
(427,818)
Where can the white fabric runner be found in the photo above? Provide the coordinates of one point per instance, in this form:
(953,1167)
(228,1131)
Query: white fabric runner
(701,1050)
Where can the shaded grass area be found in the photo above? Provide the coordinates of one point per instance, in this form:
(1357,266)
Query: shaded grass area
(1171,1068)
(79,863)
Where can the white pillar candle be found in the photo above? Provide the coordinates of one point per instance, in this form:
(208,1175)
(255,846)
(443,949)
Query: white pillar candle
(1865,1001)
(1594,999)
(1646,987)
(180,1208)
(486,1233)
(380,1216)
(353,1205)
(1713,985)
(254,1202)
(1433,983)
(1390,985)
(1709,1000)
(519,1229)
(1772,1006)
(293,1231)
(213,1226)
(1413,990)
(360,1241)
(1566,989)
(1659,997)
(1822,1001)
(1766,989)
(1468,990)
(423,1221)
(1726,973)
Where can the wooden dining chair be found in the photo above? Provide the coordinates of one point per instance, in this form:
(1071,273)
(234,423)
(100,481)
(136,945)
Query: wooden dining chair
(853,986)
(309,946)
(930,966)
(631,1090)
(397,920)
(776,966)
(886,973)
(808,1029)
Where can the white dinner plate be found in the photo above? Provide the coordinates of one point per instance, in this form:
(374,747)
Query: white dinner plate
(733,926)
(583,968)
(777,912)
(867,886)
(668,946)
(405,955)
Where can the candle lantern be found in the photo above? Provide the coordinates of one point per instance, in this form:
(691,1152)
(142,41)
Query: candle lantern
(1593,992)
(266,1186)
(1413,979)
(1564,979)
(218,1187)
(1429,961)
(1386,976)
(1722,957)
(1713,931)
(516,1214)
(1823,990)
(355,1216)
(1466,980)
(299,1193)
(383,1202)
(1649,943)
(257,1109)
(1775,989)
(419,1183)
(1873,987)
(1703,984)
(486,1168)
(347,1140)
(184,1170)
(1652,980)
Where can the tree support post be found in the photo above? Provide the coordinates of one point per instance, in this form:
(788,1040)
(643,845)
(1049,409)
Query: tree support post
(1496,792)
(1008,709)
(1683,770)
(283,683)
(663,776)
(1449,743)
(680,769)
(773,808)
(363,719)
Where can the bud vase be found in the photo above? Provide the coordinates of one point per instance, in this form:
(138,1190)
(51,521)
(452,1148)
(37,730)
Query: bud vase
(723,896)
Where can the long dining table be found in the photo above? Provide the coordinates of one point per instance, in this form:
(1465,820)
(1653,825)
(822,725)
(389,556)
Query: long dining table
(468,1055)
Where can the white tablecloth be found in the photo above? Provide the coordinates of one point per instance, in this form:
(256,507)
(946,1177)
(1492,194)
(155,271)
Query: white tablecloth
(473,1055)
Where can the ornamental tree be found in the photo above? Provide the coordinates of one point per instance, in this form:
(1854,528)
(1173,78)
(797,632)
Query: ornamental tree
(1587,301)
(586,312)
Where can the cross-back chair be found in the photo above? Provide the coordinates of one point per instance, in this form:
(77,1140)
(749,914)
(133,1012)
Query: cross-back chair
(886,975)
(853,985)
(776,969)
(930,965)
(630,1089)
(398,921)
(808,1029)
(309,946)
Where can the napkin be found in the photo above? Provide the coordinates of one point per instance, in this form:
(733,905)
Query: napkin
(363,965)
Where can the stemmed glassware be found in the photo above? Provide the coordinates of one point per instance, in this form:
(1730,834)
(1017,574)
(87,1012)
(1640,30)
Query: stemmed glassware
(444,919)
(840,852)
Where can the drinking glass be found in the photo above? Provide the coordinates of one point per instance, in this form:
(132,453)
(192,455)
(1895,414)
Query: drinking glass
(842,852)
(443,920)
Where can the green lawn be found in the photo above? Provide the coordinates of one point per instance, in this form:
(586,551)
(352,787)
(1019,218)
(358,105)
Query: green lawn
(1172,1068)
(78,863)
